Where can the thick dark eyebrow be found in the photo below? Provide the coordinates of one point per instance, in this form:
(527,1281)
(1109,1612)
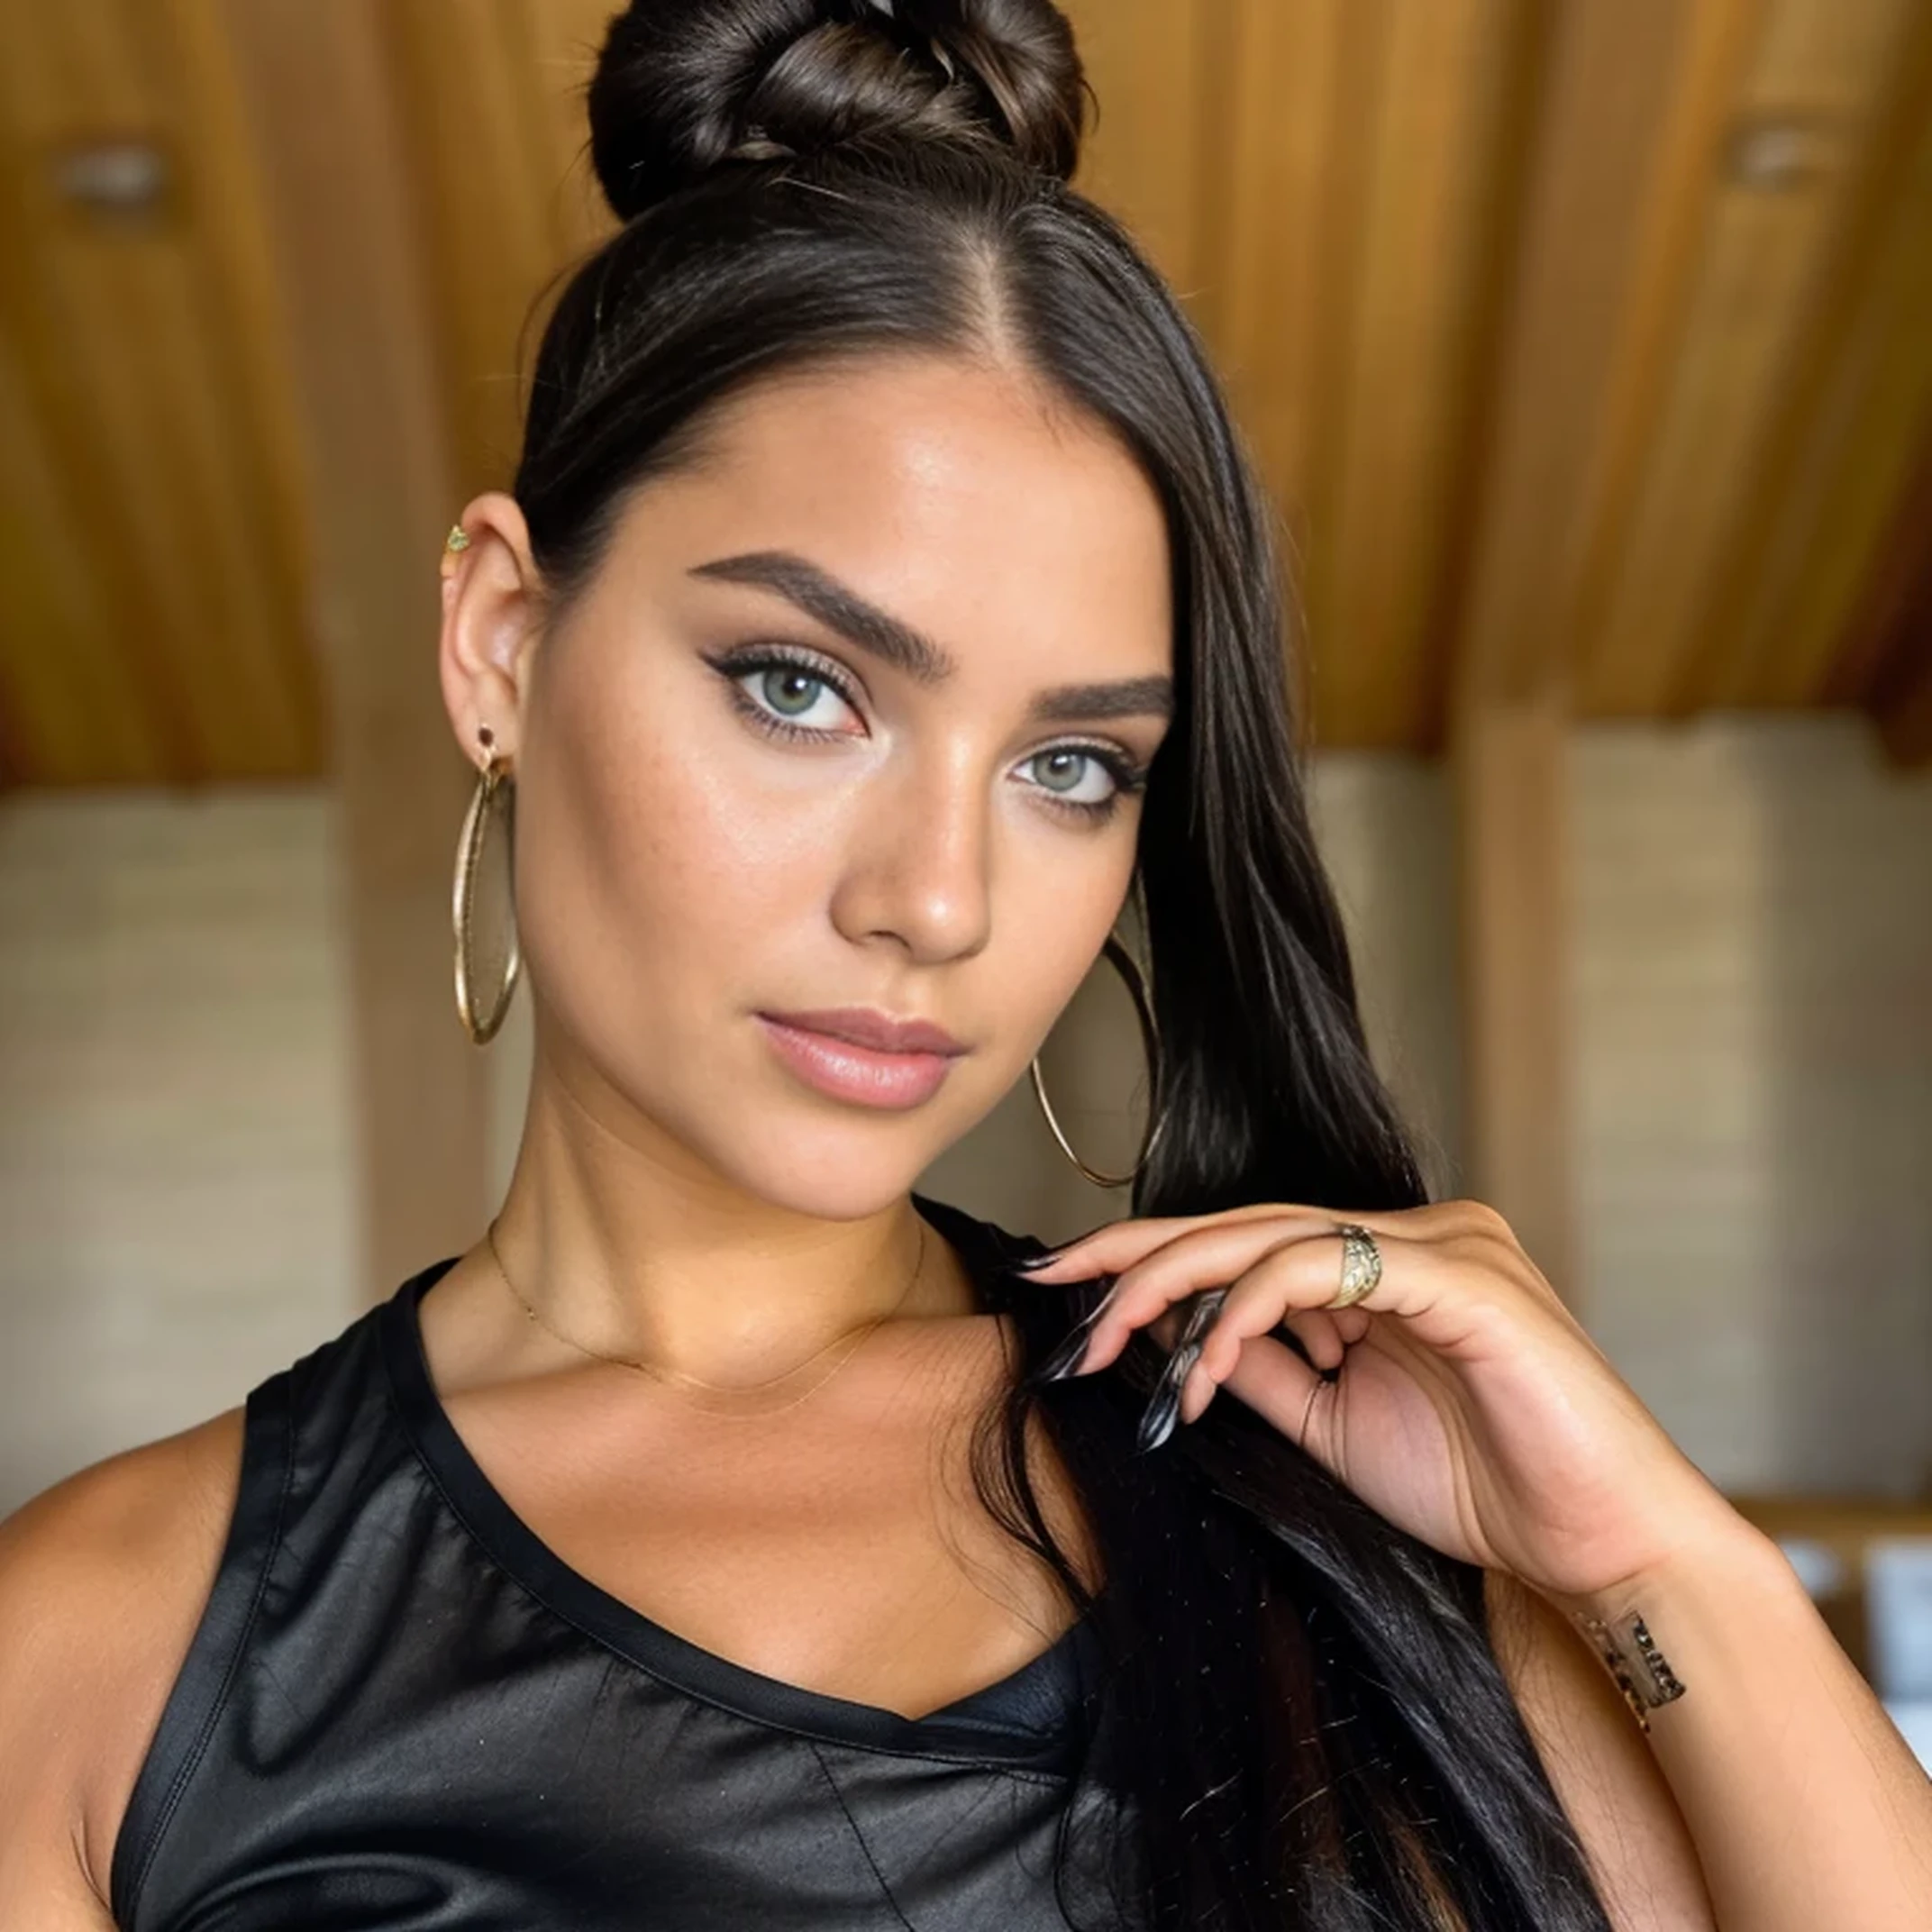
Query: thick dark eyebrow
(836,606)
(1126,698)
(840,608)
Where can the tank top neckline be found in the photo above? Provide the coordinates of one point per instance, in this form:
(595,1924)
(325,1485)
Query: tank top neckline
(997,1724)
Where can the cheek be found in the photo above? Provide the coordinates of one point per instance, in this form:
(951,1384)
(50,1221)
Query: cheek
(1059,917)
(1057,894)
(694,839)
(652,862)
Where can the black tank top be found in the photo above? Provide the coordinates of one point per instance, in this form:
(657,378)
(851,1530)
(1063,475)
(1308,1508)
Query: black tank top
(401,1710)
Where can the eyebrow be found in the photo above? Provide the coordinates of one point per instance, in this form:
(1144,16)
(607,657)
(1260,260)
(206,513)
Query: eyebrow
(840,608)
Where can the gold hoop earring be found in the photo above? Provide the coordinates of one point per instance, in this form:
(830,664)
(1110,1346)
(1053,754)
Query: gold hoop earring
(1125,964)
(492,806)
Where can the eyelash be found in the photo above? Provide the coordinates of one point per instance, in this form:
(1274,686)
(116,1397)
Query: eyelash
(735,666)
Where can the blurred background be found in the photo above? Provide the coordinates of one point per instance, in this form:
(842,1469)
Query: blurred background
(1587,348)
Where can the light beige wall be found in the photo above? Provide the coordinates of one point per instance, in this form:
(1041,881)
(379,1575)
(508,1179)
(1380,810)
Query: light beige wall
(176,1209)
(1382,823)
(1754,1000)
(1753,1151)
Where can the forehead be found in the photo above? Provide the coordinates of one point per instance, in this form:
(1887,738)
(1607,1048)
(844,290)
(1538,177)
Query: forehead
(956,495)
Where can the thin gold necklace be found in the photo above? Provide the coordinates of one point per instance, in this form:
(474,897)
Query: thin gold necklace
(676,1379)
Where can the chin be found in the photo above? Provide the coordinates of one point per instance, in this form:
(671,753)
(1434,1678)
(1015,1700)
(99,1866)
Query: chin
(816,1169)
(832,1190)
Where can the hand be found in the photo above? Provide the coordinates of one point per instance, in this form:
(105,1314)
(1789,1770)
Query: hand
(1462,1399)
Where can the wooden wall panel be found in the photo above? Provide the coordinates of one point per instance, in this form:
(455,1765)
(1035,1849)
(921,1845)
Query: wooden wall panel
(1272,308)
(1761,250)
(67,707)
(1344,166)
(1435,155)
(328,129)
(1148,156)
(1850,427)
(1887,665)
(153,374)
(563,37)
(491,191)
(1547,390)
(1509,768)
(1616,80)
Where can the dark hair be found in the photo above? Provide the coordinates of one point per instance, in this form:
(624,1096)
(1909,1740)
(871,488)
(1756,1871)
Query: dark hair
(1304,1714)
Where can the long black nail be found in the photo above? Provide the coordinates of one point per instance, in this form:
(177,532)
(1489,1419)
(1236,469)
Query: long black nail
(1164,1406)
(1066,1358)
(1163,1410)
(1034,1260)
(1200,1318)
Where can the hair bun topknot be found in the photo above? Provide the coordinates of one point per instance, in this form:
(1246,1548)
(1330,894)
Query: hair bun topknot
(683,86)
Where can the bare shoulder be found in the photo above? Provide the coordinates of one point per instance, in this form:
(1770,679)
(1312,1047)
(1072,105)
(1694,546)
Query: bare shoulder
(1639,1847)
(103,1580)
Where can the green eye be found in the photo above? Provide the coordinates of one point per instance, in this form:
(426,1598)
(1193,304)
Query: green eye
(790,691)
(1081,778)
(1065,770)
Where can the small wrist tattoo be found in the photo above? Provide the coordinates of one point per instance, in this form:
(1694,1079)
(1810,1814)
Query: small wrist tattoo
(1642,1671)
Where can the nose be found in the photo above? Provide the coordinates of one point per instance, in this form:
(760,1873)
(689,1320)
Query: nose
(918,871)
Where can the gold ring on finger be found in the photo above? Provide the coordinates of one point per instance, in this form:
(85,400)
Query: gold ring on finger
(1361,1265)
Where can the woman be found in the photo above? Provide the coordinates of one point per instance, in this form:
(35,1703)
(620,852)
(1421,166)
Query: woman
(733,1537)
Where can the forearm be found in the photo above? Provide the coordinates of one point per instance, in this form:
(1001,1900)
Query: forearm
(1806,1808)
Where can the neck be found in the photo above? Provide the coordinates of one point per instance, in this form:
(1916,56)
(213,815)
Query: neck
(629,1246)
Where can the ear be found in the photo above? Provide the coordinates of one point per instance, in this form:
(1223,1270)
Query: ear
(491,607)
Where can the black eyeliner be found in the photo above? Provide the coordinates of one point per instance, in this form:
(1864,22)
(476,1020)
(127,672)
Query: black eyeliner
(739,661)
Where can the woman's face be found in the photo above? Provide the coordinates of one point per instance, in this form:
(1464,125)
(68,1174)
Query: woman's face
(850,718)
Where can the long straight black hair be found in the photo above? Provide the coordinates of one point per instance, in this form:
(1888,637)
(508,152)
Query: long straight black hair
(1306,1724)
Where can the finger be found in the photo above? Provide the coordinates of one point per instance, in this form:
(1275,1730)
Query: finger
(1183,1325)
(1145,1295)
(1273,1381)
(1117,1245)
(1304,1407)
(1254,1309)
(1317,1330)
(1219,1254)
(1164,1407)
(1351,1324)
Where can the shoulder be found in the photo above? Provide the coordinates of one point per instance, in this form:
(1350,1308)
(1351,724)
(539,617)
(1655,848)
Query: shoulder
(103,1580)
(1638,1846)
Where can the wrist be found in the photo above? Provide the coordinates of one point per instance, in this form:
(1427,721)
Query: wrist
(1706,1568)
(1658,1631)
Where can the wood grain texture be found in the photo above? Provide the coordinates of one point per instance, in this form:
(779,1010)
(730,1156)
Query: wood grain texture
(1586,344)
(378,447)
(483,166)
(1888,666)
(1148,155)
(1596,151)
(1422,232)
(1760,251)
(1508,764)
(1855,415)
(148,362)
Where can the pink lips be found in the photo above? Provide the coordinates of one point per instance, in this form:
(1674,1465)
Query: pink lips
(856,1053)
